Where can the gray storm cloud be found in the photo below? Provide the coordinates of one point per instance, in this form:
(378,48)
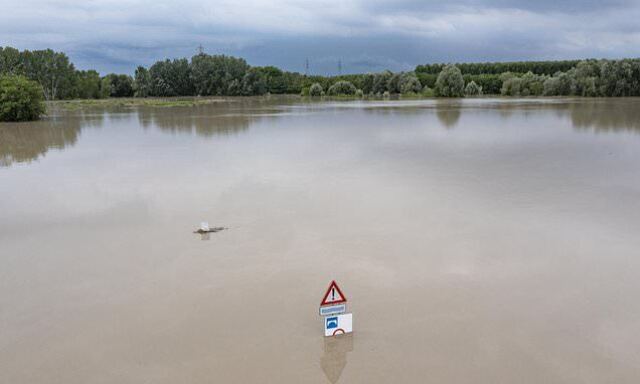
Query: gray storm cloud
(115,35)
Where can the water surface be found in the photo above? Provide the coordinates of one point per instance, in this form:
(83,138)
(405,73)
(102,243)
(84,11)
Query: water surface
(478,241)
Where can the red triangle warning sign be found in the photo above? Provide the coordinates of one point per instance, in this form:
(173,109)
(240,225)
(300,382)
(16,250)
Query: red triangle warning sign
(333,296)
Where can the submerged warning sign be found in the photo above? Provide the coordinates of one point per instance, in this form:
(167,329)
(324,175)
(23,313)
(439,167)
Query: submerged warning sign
(333,295)
(336,309)
(333,307)
(336,325)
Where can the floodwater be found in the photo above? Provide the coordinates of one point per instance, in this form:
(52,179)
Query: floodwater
(477,241)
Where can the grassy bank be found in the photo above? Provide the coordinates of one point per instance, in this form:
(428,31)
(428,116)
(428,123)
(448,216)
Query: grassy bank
(134,102)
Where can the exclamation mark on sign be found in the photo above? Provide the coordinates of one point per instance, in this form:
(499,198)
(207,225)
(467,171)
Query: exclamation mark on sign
(333,294)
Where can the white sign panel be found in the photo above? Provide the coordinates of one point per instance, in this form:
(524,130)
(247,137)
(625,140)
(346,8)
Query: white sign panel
(338,324)
(333,309)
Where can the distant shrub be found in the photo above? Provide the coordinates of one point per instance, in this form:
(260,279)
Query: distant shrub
(428,92)
(234,88)
(528,84)
(506,76)
(403,83)
(359,93)
(561,84)
(409,83)
(473,89)
(450,82)
(386,94)
(380,82)
(587,87)
(342,88)
(427,79)
(489,83)
(511,86)
(316,90)
(120,85)
(105,88)
(20,99)
(532,84)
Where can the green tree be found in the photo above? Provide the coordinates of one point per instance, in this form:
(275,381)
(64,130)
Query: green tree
(409,83)
(450,82)
(141,82)
(511,86)
(52,70)
(218,74)
(367,83)
(234,88)
(342,88)
(121,85)
(427,92)
(528,84)
(532,84)
(105,88)
(617,78)
(380,82)
(87,85)
(560,84)
(586,74)
(490,83)
(473,89)
(274,79)
(254,83)
(11,62)
(536,67)
(171,78)
(21,99)
(315,89)
(393,83)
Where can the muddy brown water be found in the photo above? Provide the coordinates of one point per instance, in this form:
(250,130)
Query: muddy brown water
(477,241)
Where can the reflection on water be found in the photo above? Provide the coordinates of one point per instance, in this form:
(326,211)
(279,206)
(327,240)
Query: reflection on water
(448,113)
(334,359)
(607,115)
(24,142)
(201,120)
(220,118)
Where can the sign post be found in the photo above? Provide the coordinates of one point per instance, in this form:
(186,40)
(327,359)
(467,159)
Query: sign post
(333,307)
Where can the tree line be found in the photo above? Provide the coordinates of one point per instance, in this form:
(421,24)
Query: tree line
(589,78)
(221,75)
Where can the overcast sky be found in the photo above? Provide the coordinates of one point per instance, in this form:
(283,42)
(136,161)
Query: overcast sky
(365,35)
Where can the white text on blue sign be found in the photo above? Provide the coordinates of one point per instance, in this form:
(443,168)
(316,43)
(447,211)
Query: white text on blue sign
(332,309)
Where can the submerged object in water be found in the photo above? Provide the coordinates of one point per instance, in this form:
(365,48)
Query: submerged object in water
(209,230)
(204,228)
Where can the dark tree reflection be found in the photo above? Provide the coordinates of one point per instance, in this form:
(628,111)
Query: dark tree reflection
(26,142)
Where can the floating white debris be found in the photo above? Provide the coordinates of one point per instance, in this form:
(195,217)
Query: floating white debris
(204,228)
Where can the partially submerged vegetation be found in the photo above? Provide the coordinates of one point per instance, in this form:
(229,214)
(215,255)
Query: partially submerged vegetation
(21,99)
(220,75)
(134,102)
